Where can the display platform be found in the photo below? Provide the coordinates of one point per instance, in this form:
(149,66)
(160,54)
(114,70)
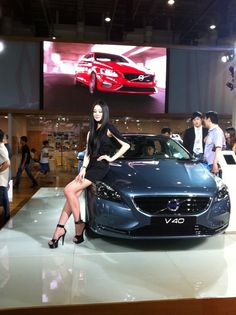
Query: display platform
(110,275)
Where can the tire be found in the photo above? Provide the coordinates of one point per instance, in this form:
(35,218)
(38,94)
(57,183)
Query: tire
(93,83)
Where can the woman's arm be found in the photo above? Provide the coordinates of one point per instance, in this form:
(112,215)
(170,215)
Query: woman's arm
(85,164)
(4,165)
(234,148)
(86,156)
(124,147)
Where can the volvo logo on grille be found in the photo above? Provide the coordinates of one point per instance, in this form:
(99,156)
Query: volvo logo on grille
(141,77)
(173,205)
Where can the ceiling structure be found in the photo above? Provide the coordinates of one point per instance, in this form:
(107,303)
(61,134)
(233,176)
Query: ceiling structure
(185,23)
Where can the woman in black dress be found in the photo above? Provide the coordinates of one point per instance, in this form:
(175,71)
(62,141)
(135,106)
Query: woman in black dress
(100,144)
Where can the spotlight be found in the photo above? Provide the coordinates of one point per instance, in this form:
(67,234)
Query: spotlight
(224,58)
(212,26)
(228,57)
(107,18)
(171,2)
(230,85)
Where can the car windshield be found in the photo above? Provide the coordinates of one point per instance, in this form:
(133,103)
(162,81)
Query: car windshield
(154,147)
(109,57)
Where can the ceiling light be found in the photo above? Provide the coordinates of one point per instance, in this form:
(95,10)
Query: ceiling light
(138,51)
(107,18)
(171,2)
(212,26)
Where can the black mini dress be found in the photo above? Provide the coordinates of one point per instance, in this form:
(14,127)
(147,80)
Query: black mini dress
(97,170)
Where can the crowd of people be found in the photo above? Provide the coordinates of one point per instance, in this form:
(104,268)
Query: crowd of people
(29,163)
(205,139)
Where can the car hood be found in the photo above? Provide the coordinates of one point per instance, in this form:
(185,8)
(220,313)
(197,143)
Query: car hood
(162,176)
(126,68)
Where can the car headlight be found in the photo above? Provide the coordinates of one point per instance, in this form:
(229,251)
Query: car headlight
(108,72)
(222,192)
(106,192)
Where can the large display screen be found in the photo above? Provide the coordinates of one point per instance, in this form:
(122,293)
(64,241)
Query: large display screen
(131,79)
(19,75)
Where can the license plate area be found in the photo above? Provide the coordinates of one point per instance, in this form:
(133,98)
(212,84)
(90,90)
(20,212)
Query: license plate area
(174,225)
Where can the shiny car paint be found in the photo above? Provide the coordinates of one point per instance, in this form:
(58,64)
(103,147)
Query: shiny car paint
(114,73)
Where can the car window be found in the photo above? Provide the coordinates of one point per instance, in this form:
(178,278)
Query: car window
(154,147)
(88,57)
(109,57)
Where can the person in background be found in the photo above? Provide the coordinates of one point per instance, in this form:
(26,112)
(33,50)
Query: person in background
(149,150)
(34,160)
(100,145)
(24,164)
(44,160)
(4,178)
(214,143)
(194,136)
(166,131)
(230,138)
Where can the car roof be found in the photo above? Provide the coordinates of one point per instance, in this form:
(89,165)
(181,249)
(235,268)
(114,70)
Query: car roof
(143,135)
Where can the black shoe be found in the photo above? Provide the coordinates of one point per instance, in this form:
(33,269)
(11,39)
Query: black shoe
(53,243)
(34,185)
(79,238)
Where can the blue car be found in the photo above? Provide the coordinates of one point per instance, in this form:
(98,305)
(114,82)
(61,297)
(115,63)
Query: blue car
(157,190)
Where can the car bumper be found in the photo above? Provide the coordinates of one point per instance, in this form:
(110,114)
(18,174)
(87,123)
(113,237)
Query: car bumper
(117,85)
(117,220)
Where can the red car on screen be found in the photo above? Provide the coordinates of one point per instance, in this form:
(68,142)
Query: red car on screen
(108,72)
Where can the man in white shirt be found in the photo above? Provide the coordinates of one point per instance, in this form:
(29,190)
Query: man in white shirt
(194,137)
(44,160)
(215,143)
(4,178)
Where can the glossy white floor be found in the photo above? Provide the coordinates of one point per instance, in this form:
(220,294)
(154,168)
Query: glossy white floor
(105,270)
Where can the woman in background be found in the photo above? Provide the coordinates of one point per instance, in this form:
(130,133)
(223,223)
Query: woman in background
(100,145)
(230,136)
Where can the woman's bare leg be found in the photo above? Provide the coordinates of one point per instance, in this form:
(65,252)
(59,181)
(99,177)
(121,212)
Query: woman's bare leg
(72,192)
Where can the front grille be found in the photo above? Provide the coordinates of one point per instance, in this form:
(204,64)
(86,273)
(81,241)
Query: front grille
(137,89)
(184,205)
(137,77)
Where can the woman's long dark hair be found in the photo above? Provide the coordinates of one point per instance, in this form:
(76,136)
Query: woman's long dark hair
(95,135)
(232,138)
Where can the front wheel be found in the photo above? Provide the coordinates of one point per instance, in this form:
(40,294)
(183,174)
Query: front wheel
(93,83)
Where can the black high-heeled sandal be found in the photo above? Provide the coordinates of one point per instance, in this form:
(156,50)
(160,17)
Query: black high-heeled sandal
(79,238)
(54,241)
